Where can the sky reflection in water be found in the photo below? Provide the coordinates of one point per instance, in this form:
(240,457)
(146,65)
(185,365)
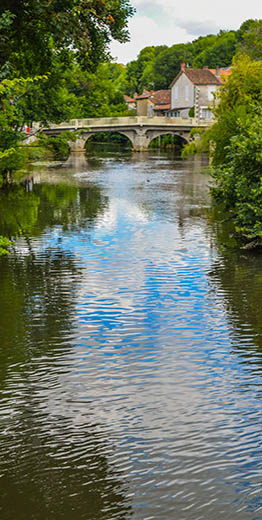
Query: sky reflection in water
(132,379)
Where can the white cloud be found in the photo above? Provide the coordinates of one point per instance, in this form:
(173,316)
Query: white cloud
(145,31)
(158,22)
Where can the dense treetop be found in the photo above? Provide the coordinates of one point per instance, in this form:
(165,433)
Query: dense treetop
(33,31)
(156,67)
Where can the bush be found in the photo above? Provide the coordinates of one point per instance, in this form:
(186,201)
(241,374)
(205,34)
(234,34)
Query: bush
(4,245)
(58,145)
(191,112)
(14,160)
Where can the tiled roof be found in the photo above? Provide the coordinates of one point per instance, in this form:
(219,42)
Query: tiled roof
(161,97)
(129,99)
(162,107)
(223,73)
(145,95)
(158,97)
(198,77)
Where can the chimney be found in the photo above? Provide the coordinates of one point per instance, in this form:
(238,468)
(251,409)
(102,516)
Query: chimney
(205,68)
(183,66)
(217,71)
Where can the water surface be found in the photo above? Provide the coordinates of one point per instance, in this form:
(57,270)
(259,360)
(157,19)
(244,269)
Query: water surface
(131,348)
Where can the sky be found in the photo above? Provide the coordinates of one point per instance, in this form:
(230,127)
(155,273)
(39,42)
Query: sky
(158,22)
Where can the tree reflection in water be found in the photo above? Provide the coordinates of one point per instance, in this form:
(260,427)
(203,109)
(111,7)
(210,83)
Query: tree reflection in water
(236,277)
(59,466)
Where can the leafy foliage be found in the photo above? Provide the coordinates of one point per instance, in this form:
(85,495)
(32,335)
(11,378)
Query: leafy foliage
(49,40)
(4,245)
(250,39)
(235,100)
(42,29)
(97,95)
(11,121)
(167,64)
(57,145)
(220,53)
(238,183)
(199,143)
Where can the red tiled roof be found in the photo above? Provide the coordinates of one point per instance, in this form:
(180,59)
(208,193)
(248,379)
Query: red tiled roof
(223,73)
(161,97)
(145,94)
(198,77)
(129,99)
(162,107)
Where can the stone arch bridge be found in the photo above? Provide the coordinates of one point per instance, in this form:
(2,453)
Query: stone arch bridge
(140,130)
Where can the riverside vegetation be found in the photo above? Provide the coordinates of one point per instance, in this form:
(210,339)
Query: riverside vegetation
(63,70)
(235,140)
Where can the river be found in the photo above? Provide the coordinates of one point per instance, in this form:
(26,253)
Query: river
(131,348)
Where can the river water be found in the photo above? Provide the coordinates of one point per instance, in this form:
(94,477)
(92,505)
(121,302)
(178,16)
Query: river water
(131,348)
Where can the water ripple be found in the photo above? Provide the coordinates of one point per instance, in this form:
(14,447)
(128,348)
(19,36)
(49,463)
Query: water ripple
(131,367)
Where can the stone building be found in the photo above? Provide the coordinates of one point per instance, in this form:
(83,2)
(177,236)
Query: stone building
(153,103)
(194,89)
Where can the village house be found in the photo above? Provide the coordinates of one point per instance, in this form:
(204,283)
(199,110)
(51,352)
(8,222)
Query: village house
(192,92)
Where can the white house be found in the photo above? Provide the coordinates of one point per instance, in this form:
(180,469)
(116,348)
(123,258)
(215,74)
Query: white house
(193,89)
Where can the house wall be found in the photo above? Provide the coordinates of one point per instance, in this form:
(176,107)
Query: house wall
(143,107)
(182,93)
(206,99)
(205,94)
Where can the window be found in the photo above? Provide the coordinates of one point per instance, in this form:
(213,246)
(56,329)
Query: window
(176,92)
(206,113)
(211,91)
(186,92)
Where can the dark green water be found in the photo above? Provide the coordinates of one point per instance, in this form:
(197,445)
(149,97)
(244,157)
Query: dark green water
(131,348)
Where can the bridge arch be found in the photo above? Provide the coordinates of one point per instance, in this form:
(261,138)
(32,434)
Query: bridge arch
(129,135)
(154,134)
(80,143)
(139,139)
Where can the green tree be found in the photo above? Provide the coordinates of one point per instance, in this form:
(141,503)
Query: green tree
(235,100)
(238,183)
(11,122)
(96,95)
(220,52)
(36,30)
(200,45)
(167,64)
(140,72)
(250,39)
(49,37)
